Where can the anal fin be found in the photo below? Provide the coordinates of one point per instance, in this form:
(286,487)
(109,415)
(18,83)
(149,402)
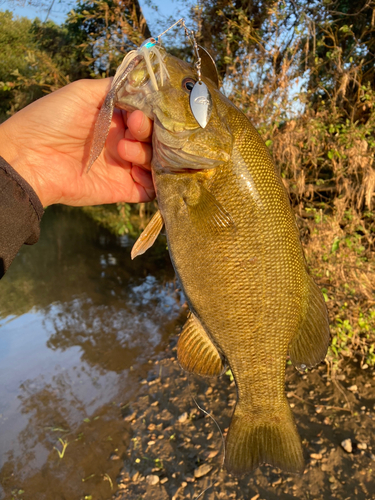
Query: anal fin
(196,352)
(310,344)
(149,235)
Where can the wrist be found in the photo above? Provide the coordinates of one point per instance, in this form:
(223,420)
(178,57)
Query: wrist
(19,159)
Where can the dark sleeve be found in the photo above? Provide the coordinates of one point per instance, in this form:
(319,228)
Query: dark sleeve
(20,214)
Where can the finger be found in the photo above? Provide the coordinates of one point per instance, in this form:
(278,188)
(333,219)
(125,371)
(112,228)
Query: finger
(144,179)
(124,117)
(136,152)
(140,126)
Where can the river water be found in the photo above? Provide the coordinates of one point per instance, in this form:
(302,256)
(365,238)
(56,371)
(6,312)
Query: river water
(79,324)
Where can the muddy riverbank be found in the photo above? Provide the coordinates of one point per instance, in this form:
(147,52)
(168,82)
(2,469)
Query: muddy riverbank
(175,450)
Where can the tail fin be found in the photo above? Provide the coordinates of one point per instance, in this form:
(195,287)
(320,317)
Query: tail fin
(255,439)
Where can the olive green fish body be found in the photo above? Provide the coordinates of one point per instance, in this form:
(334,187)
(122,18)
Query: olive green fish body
(247,282)
(235,247)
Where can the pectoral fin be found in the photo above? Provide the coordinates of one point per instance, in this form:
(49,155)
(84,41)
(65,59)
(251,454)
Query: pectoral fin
(196,353)
(310,345)
(207,214)
(149,235)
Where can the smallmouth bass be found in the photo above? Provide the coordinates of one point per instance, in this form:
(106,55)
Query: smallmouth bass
(235,247)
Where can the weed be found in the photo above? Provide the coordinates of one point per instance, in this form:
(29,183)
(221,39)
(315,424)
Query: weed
(346,275)
(107,478)
(88,477)
(64,447)
(158,463)
(229,374)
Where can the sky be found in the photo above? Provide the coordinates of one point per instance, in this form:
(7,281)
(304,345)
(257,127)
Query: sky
(158,13)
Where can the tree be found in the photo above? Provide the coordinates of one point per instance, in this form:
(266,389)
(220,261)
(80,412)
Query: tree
(15,42)
(107,30)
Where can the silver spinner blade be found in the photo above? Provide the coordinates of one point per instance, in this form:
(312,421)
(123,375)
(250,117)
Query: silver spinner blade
(201,103)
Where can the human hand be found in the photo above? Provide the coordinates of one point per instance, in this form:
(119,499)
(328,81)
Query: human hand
(48,144)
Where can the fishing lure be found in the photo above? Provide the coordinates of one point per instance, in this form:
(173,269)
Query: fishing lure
(200,97)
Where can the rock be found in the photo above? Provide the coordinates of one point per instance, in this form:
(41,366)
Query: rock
(362,446)
(114,456)
(347,445)
(131,417)
(164,480)
(318,409)
(316,456)
(209,391)
(152,479)
(202,470)
(317,441)
(213,453)
(365,366)
(135,477)
(182,418)
(165,415)
(353,388)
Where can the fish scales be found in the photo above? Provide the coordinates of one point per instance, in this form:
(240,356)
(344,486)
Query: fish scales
(235,247)
(253,280)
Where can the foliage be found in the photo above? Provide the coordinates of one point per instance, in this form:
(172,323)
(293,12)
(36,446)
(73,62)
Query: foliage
(303,74)
(39,58)
(90,43)
(15,42)
(122,218)
(107,29)
(340,254)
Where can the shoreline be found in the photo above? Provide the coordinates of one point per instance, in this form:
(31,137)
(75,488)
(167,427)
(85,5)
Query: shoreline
(175,451)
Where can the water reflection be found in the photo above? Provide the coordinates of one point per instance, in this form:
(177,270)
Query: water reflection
(77,320)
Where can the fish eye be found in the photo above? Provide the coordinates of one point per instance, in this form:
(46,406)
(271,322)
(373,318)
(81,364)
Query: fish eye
(188,84)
